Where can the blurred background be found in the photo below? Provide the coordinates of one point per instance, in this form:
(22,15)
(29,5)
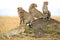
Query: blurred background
(9,7)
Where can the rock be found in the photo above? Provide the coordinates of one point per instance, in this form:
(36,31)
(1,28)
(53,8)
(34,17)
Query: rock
(42,26)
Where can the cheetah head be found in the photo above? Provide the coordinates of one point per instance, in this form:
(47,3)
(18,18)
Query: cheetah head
(46,3)
(33,5)
(20,9)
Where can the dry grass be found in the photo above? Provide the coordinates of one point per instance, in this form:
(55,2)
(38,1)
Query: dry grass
(8,23)
(56,17)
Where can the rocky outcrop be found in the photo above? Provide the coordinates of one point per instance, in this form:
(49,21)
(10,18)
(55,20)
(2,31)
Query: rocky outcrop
(43,26)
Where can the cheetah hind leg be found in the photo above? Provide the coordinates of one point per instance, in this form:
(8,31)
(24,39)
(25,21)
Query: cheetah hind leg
(5,36)
(2,37)
(9,37)
(19,35)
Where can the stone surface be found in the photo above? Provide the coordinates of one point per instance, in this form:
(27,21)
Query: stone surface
(43,26)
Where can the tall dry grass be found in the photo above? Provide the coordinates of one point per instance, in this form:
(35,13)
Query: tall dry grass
(8,23)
